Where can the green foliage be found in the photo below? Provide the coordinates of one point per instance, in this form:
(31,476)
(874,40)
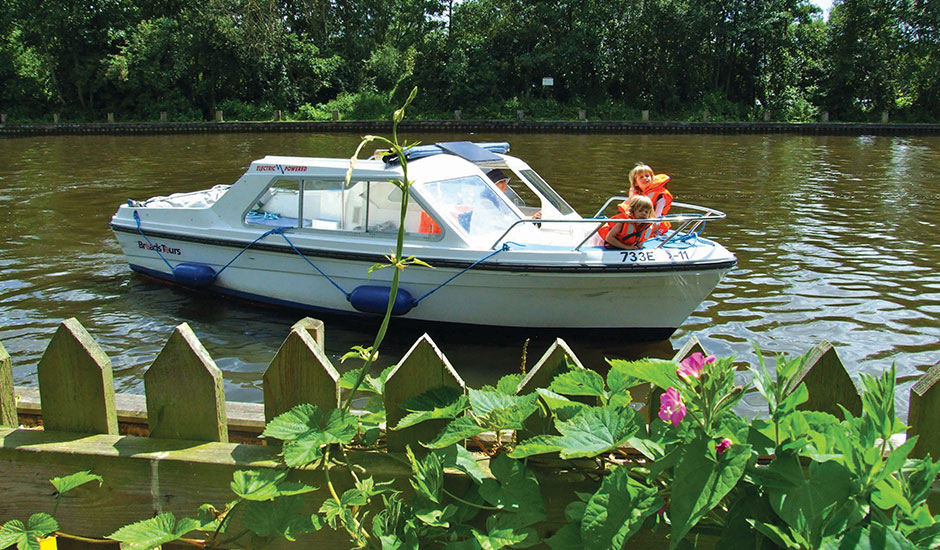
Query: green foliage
(26,537)
(153,532)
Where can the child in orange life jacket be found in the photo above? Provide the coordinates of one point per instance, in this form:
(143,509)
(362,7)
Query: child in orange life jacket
(629,235)
(643,182)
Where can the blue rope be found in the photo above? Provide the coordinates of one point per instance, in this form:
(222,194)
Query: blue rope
(152,246)
(346,294)
(468,268)
(277,230)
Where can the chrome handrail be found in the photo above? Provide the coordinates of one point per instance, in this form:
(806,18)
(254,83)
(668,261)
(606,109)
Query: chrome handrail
(693,219)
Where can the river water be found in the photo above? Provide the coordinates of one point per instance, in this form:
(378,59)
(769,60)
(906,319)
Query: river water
(836,240)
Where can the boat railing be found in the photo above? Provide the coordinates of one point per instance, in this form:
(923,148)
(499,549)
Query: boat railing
(686,222)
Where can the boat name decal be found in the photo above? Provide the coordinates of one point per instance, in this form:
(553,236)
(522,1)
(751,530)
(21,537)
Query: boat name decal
(295,168)
(637,256)
(159,248)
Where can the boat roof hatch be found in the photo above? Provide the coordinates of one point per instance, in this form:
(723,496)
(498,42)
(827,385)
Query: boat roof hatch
(476,153)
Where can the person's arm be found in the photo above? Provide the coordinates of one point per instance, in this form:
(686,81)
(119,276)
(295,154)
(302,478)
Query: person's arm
(611,238)
(659,206)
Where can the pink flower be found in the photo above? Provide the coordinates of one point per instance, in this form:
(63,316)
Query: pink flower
(723,445)
(691,366)
(671,408)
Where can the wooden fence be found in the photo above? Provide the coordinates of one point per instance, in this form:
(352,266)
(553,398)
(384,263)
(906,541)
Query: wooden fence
(189,439)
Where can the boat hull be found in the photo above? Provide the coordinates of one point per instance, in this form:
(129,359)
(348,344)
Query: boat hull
(650,301)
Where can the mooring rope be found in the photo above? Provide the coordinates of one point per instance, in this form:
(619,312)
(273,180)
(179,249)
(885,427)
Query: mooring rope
(464,270)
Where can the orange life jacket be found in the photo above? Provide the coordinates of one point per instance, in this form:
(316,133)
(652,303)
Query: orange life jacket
(631,234)
(656,191)
(427,225)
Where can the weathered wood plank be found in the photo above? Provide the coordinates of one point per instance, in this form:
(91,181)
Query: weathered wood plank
(75,383)
(7,395)
(146,476)
(315,327)
(828,382)
(299,373)
(185,396)
(423,368)
(557,359)
(923,412)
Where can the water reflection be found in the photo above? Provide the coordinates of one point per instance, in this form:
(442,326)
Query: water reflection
(835,237)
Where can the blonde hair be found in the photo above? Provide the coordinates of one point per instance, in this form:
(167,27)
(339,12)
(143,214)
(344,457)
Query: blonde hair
(640,168)
(636,205)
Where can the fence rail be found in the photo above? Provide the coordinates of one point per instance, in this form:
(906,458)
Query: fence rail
(194,439)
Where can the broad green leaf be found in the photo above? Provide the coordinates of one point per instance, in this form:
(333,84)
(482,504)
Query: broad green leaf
(702,479)
(617,511)
(803,505)
(510,383)
(295,423)
(514,489)
(467,462)
(578,382)
(796,398)
(153,532)
(209,517)
(619,382)
(67,483)
(265,484)
(442,402)
(562,407)
(536,445)
(460,429)
(888,494)
(26,537)
(658,372)
(283,517)
(497,411)
(596,430)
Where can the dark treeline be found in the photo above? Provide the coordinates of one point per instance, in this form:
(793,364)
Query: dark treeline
(738,59)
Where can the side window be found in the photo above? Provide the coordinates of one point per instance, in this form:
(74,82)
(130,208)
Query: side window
(278,205)
(385,213)
(322,206)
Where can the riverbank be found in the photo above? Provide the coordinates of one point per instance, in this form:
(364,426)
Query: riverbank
(509,126)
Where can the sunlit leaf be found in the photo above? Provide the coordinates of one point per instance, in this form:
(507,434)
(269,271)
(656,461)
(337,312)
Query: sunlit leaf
(875,537)
(26,537)
(702,479)
(656,371)
(434,404)
(67,483)
(578,382)
(596,430)
(428,477)
(460,429)
(510,383)
(295,423)
(265,484)
(153,532)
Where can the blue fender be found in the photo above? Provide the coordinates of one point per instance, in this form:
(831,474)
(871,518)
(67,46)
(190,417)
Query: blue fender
(374,299)
(192,274)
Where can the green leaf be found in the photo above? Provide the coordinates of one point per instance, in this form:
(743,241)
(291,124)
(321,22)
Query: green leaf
(153,532)
(567,538)
(596,430)
(510,383)
(617,511)
(442,402)
(536,445)
(283,517)
(304,435)
(875,537)
(776,534)
(460,429)
(27,537)
(497,411)
(578,382)
(428,477)
(620,382)
(702,479)
(515,489)
(67,483)
(499,538)
(295,423)
(562,407)
(265,485)
(658,372)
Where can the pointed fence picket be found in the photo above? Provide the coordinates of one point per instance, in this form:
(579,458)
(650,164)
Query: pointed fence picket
(185,402)
(185,396)
(558,358)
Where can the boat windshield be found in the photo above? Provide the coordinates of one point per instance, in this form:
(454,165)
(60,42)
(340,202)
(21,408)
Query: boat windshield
(545,189)
(471,203)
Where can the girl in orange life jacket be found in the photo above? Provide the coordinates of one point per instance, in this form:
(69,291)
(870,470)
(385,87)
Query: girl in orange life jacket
(629,235)
(643,182)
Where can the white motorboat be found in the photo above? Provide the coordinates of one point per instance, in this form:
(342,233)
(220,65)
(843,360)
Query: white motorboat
(297,232)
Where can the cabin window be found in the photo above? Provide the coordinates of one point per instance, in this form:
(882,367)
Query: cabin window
(360,206)
(554,198)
